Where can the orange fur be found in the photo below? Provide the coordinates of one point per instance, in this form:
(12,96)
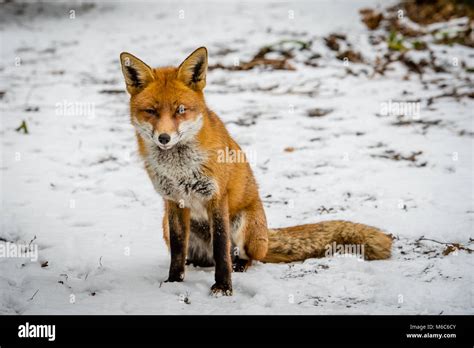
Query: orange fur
(164,90)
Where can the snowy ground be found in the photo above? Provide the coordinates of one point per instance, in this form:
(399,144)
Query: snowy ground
(74,186)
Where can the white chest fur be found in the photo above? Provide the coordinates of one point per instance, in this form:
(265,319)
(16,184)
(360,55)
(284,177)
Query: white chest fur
(177,174)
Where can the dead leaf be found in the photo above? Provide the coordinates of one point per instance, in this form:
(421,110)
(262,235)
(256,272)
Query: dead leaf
(371,18)
(319,112)
(450,248)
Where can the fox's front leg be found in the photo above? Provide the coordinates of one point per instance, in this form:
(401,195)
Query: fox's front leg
(220,228)
(179,227)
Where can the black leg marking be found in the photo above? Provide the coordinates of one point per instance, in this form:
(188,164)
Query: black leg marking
(221,247)
(178,242)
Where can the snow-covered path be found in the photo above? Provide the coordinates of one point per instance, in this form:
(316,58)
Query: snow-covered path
(74,185)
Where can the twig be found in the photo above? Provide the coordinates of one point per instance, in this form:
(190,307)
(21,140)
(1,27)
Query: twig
(31,241)
(457,245)
(432,240)
(32,297)
(23,127)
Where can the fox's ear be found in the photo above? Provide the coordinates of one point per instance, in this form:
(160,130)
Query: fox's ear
(194,68)
(137,74)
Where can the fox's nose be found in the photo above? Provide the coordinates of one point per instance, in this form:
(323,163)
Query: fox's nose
(164,138)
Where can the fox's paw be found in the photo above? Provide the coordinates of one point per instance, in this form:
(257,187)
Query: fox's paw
(238,268)
(218,290)
(178,277)
(241,265)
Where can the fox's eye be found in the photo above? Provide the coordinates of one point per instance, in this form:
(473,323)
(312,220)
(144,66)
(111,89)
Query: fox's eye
(181,109)
(150,111)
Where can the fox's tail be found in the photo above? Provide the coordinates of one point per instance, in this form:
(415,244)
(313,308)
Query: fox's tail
(298,243)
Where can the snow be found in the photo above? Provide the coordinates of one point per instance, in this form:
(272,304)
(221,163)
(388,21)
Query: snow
(74,186)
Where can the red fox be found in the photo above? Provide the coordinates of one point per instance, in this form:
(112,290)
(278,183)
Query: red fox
(212,206)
